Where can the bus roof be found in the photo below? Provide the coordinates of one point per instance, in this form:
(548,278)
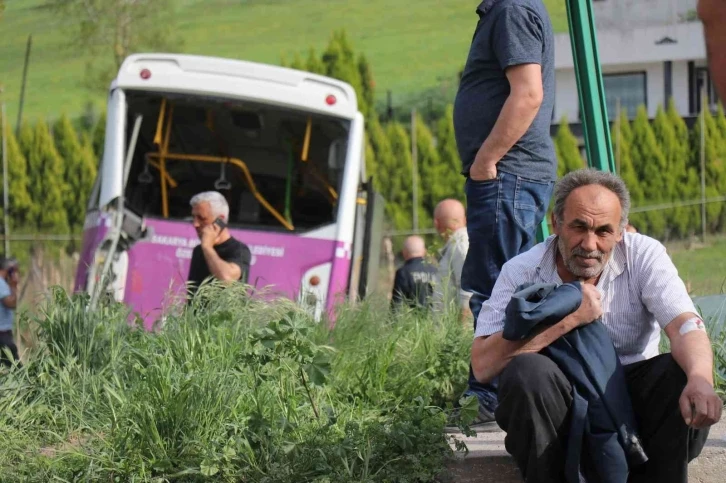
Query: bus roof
(238,79)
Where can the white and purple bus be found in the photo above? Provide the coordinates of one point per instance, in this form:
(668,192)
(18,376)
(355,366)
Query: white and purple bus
(285,147)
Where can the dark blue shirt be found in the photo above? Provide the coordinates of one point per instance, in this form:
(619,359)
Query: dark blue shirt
(414,283)
(509,32)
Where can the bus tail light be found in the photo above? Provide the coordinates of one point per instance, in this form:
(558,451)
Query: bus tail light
(314,289)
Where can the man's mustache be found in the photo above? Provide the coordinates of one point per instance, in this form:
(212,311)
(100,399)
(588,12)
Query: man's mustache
(580,252)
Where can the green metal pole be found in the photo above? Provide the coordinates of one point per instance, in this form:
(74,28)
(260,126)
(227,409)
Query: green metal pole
(543,231)
(596,128)
(595,125)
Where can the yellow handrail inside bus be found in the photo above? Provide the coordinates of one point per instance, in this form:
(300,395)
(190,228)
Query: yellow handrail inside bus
(171,181)
(306,141)
(313,169)
(160,123)
(210,120)
(162,164)
(331,191)
(235,161)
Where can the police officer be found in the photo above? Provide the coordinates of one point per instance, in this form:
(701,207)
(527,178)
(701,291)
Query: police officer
(414,282)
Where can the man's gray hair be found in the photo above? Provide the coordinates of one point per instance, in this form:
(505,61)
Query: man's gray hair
(588,176)
(216,201)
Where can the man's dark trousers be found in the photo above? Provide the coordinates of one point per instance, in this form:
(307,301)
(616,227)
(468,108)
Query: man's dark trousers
(502,217)
(534,402)
(7,342)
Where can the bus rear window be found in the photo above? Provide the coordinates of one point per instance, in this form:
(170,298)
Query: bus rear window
(279,169)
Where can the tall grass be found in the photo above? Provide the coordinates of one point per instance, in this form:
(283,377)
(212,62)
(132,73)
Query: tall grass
(231,389)
(234,389)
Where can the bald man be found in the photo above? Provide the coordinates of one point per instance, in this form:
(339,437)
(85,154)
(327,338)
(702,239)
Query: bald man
(414,281)
(450,223)
(713,15)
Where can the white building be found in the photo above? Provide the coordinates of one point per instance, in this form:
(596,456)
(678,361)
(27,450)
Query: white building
(650,51)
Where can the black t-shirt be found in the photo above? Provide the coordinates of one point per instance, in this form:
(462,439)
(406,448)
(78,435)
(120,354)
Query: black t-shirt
(413,284)
(231,250)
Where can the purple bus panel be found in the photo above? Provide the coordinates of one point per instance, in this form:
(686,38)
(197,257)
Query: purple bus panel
(158,267)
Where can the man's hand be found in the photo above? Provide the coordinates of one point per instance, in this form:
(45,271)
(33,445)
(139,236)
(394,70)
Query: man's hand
(700,405)
(482,170)
(591,306)
(209,235)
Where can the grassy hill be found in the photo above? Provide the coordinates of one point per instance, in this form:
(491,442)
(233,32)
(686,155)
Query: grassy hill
(412,46)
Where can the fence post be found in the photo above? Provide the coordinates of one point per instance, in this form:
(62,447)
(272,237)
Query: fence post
(704,106)
(5,175)
(414,162)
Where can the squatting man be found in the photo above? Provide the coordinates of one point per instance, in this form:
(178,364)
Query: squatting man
(631,284)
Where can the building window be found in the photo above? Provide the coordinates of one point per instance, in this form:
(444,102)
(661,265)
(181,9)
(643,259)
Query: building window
(628,90)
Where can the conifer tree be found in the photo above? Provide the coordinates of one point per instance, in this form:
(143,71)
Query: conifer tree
(400,173)
(431,186)
(297,62)
(367,86)
(382,167)
(623,134)
(685,218)
(568,152)
(47,186)
(670,176)
(313,63)
(714,163)
(340,63)
(19,201)
(451,182)
(79,171)
(99,134)
(650,164)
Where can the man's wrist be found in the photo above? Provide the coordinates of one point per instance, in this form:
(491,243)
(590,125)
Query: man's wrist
(700,374)
(570,323)
(485,161)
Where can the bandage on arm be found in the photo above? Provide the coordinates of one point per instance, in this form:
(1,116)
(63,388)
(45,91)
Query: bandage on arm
(694,323)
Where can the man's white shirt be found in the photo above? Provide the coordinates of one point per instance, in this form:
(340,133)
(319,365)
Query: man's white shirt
(640,289)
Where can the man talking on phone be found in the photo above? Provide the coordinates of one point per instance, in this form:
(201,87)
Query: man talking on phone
(219,254)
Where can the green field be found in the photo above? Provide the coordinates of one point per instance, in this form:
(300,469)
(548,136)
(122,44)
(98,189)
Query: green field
(411,46)
(703,269)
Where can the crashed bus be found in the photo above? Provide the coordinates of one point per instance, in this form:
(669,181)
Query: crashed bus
(286,149)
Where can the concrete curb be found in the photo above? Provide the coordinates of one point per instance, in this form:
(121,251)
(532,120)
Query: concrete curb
(489,462)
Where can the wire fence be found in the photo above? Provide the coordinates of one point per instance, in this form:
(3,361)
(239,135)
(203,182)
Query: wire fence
(40,238)
(637,209)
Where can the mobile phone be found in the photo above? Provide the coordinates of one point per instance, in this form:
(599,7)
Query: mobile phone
(220,223)
(11,273)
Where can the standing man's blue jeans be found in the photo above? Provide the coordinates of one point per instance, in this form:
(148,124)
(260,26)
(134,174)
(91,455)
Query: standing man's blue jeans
(503,215)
